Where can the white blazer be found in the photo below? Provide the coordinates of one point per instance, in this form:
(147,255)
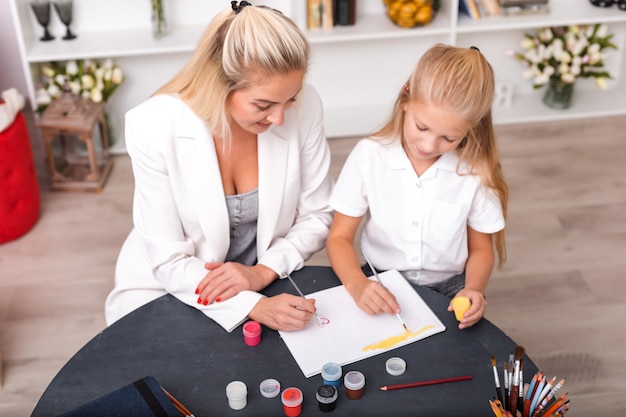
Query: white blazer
(179,207)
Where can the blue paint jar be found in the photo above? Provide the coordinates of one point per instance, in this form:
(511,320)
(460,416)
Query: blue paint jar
(331,374)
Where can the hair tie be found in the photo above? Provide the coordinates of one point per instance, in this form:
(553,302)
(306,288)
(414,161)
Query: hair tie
(239,8)
(475,48)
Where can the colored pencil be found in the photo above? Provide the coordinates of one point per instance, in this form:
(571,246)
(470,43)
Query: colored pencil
(498,410)
(496,379)
(553,407)
(424,383)
(533,403)
(547,404)
(406,329)
(552,392)
(529,394)
(542,395)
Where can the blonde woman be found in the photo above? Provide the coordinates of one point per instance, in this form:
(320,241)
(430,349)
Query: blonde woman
(232,180)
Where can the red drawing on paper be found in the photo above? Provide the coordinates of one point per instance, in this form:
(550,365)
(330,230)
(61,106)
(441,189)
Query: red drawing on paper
(322,321)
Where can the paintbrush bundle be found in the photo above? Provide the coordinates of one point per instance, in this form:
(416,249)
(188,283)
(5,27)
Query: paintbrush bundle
(540,397)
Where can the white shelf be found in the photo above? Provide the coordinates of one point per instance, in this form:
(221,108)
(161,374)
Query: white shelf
(121,43)
(357,69)
(586,104)
(527,108)
(376,26)
(562,13)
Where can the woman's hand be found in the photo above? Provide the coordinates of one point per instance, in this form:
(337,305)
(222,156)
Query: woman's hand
(225,280)
(372,297)
(284,312)
(476,310)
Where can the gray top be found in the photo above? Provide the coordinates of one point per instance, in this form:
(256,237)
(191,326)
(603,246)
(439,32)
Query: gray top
(243,211)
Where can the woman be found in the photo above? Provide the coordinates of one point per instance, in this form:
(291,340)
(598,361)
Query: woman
(232,179)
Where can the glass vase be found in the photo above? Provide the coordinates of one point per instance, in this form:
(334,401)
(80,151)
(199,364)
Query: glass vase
(559,94)
(159,20)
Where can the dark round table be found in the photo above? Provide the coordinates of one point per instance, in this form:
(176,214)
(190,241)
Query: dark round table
(194,359)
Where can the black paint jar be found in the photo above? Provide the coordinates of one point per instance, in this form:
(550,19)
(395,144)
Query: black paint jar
(326,397)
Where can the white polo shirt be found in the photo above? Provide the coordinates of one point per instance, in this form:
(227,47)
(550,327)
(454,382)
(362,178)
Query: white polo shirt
(417,225)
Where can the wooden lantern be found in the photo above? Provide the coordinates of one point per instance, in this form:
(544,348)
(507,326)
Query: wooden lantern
(77,161)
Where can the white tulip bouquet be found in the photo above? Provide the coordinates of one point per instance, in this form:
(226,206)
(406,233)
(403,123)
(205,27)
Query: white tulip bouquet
(87,78)
(565,53)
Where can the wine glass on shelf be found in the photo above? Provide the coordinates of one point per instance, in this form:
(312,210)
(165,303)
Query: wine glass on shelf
(41,9)
(64,10)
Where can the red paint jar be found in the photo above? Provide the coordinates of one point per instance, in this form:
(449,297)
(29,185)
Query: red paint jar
(292,401)
(354,381)
(252,333)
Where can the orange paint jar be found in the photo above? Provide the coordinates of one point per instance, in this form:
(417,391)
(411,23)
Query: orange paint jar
(292,401)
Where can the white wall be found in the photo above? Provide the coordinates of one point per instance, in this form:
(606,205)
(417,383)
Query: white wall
(11,74)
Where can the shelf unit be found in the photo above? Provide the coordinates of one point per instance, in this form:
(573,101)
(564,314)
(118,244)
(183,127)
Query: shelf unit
(356,69)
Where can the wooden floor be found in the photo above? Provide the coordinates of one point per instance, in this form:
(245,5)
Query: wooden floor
(561,295)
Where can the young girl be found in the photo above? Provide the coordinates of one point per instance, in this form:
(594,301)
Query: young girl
(429,188)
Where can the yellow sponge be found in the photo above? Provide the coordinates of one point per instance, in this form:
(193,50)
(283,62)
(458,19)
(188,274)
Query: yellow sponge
(460,305)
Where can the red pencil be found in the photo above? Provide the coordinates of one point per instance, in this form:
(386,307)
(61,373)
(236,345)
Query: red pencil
(422,383)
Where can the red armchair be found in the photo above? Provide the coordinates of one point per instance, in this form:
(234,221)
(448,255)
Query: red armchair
(20,200)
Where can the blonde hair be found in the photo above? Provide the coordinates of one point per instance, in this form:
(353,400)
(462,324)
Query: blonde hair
(234,51)
(462,81)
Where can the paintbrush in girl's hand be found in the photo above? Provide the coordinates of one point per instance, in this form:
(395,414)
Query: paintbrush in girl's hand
(406,329)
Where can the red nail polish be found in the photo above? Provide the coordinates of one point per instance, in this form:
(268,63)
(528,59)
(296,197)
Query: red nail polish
(218,299)
(197,291)
(205,302)
(199,300)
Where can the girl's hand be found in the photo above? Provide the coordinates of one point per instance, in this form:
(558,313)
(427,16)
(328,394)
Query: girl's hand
(373,298)
(225,280)
(477,309)
(284,312)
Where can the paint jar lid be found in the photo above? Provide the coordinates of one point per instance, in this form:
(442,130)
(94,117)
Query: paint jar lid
(291,397)
(326,394)
(236,390)
(354,380)
(395,366)
(251,328)
(269,388)
(331,371)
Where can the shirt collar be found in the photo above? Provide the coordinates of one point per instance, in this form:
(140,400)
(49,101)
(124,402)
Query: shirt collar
(399,160)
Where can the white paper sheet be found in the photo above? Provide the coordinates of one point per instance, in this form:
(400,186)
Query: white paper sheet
(345,339)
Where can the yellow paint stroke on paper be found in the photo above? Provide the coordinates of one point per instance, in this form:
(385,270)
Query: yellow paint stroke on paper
(396,340)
